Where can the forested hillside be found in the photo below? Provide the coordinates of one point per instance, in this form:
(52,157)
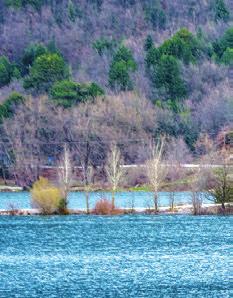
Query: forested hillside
(90,72)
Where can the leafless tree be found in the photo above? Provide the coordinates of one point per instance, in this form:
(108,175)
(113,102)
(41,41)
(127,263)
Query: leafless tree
(88,186)
(22,143)
(156,171)
(222,188)
(176,153)
(172,201)
(114,170)
(65,174)
(198,187)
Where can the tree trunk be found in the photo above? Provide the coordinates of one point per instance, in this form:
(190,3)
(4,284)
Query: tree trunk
(156,201)
(113,199)
(87,202)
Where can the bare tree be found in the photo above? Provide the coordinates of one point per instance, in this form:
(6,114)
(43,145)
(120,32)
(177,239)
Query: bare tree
(177,153)
(172,201)
(114,170)
(65,175)
(221,184)
(198,187)
(156,171)
(222,191)
(88,186)
(22,146)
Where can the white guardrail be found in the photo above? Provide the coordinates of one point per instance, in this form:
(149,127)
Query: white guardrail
(191,166)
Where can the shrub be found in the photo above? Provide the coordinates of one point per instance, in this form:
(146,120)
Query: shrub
(68,93)
(23,3)
(221,11)
(6,71)
(156,16)
(103,45)
(152,57)
(223,186)
(62,207)
(227,57)
(46,70)
(105,207)
(183,45)
(45,196)
(72,11)
(31,53)
(223,43)
(148,43)
(8,107)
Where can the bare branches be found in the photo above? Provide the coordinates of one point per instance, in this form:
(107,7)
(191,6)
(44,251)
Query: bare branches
(114,170)
(65,174)
(156,171)
(88,186)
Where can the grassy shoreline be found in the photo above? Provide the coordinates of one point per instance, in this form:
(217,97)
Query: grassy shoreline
(186,209)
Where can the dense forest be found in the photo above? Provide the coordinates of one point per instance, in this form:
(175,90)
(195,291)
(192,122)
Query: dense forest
(93,72)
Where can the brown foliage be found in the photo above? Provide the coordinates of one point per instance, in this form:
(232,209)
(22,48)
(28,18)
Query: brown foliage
(105,207)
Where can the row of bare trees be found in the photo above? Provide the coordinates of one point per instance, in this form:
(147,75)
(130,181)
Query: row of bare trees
(99,137)
(208,179)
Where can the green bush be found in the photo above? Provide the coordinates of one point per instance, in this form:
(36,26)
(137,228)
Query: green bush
(223,186)
(221,11)
(103,45)
(68,93)
(31,53)
(183,45)
(6,71)
(148,43)
(73,11)
(119,74)
(14,3)
(227,57)
(223,43)
(45,71)
(156,16)
(8,107)
(167,78)
(23,3)
(126,3)
(152,57)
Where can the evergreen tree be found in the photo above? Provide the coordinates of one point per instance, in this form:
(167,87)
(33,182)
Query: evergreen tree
(221,11)
(68,93)
(6,71)
(183,45)
(227,57)
(148,43)
(30,54)
(167,78)
(72,11)
(119,74)
(8,107)
(225,42)
(46,70)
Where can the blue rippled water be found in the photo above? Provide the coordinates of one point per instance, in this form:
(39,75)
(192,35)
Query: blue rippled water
(122,256)
(140,199)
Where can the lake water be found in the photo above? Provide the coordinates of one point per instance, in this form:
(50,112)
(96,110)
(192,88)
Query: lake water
(139,199)
(123,256)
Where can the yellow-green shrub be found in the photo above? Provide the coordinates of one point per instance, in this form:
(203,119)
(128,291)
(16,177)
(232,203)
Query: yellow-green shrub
(46,196)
